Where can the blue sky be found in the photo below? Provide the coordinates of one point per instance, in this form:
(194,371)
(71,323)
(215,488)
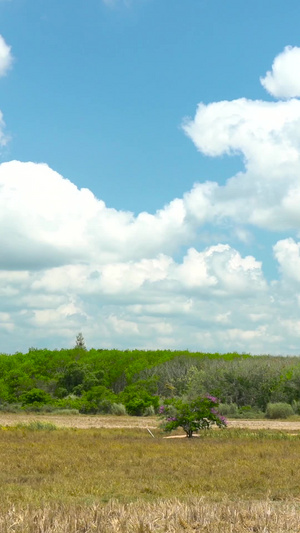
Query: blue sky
(128,212)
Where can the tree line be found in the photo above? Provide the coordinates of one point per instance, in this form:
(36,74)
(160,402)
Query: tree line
(138,381)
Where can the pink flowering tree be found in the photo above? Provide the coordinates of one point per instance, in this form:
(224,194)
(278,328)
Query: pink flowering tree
(201,413)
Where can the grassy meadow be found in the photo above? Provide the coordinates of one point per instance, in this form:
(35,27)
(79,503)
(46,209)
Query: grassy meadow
(111,480)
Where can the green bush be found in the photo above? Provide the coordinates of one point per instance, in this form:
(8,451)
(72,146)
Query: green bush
(296,407)
(88,408)
(35,397)
(68,403)
(231,410)
(61,392)
(250,412)
(228,409)
(104,407)
(279,410)
(135,406)
(137,400)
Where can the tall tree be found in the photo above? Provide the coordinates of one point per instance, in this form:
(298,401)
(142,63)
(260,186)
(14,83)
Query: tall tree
(80,343)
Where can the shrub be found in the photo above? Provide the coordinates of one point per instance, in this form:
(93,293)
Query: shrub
(250,412)
(118,409)
(104,407)
(135,406)
(200,413)
(88,408)
(279,410)
(47,408)
(32,407)
(35,397)
(149,411)
(10,408)
(37,425)
(296,407)
(68,403)
(137,401)
(69,412)
(228,409)
(61,392)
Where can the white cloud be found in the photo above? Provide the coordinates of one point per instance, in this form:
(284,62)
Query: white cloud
(6,60)
(284,79)
(154,302)
(287,253)
(267,135)
(69,263)
(6,57)
(51,222)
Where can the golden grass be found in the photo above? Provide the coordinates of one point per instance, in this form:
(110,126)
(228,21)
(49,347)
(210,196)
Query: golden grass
(75,480)
(97,465)
(173,516)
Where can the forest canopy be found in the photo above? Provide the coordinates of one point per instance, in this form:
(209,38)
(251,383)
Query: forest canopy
(137,381)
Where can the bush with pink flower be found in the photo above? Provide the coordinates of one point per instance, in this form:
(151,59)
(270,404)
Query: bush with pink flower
(201,413)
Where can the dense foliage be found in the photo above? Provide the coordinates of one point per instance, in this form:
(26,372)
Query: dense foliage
(192,416)
(104,381)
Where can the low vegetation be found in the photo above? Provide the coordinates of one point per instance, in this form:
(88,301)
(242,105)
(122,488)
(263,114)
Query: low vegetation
(117,480)
(279,410)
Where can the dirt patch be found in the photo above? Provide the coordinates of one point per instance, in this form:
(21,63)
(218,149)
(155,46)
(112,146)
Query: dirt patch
(283,425)
(81,421)
(100,421)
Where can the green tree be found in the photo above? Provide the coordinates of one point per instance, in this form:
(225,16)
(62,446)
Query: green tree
(200,413)
(80,342)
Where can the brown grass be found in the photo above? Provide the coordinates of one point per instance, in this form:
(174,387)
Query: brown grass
(98,465)
(123,480)
(173,516)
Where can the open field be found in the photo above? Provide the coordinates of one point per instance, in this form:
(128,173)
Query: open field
(122,480)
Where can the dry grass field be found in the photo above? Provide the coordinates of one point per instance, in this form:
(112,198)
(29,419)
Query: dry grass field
(120,479)
(173,516)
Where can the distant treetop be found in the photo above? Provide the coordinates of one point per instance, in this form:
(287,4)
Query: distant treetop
(80,342)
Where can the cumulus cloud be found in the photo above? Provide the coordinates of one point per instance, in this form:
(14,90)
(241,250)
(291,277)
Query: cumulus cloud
(283,81)
(52,222)
(6,57)
(145,303)
(267,136)
(70,263)
(287,253)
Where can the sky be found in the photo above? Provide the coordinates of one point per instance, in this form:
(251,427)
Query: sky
(150,175)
